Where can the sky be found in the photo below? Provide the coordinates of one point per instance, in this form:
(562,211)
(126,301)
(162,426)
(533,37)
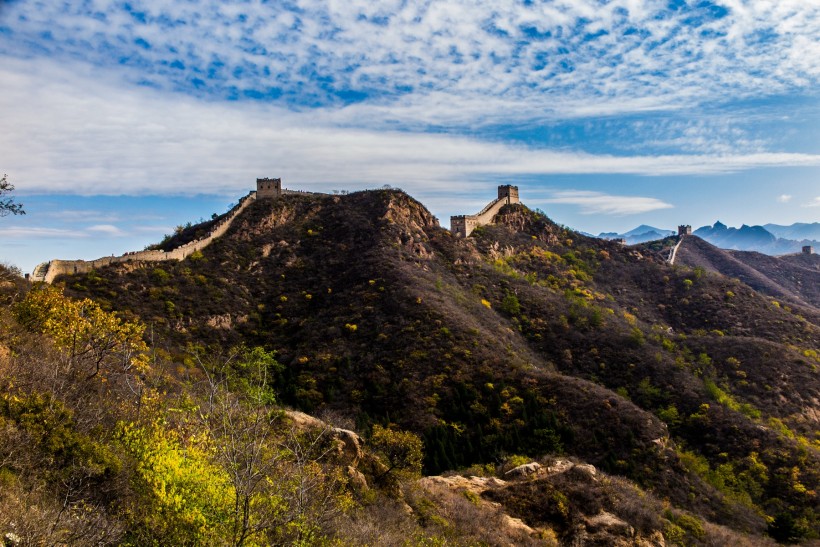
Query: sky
(124,119)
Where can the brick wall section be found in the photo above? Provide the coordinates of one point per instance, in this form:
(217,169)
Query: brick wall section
(48,271)
(463,225)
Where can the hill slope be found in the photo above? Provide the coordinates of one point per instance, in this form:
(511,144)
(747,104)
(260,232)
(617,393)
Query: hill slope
(791,277)
(526,338)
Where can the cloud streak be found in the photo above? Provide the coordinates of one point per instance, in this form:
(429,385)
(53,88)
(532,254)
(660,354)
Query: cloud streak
(597,203)
(76,136)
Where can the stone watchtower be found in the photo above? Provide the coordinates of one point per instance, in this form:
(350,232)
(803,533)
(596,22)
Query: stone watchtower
(268,188)
(510,192)
(684,230)
(463,225)
(808,249)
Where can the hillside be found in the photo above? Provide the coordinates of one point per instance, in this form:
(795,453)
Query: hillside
(525,339)
(795,278)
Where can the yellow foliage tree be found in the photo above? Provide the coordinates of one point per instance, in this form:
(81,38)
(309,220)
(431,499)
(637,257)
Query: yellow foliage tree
(90,337)
(182,497)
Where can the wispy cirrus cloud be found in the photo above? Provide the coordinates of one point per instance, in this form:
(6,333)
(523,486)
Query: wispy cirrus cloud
(79,215)
(784,198)
(463,61)
(106,229)
(813,203)
(598,203)
(39,232)
(73,135)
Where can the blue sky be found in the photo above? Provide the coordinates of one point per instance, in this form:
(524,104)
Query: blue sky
(125,119)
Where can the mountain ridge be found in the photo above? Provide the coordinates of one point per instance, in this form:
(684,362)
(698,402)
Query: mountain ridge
(527,337)
(787,240)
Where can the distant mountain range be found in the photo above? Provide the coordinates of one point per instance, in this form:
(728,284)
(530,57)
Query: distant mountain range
(771,239)
(641,234)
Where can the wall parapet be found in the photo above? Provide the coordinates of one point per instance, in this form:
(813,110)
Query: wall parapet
(48,271)
(463,225)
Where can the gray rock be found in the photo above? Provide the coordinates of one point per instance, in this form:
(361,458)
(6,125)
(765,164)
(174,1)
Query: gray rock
(523,470)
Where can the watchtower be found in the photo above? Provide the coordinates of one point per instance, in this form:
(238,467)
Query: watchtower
(808,249)
(268,188)
(684,230)
(510,192)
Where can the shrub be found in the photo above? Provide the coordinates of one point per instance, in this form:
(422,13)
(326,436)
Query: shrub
(510,304)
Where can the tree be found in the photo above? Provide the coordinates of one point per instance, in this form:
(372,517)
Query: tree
(92,339)
(402,450)
(7,205)
(283,490)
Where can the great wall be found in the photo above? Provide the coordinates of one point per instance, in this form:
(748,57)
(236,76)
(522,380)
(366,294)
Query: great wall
(47,272)
(683,231)
(463,225)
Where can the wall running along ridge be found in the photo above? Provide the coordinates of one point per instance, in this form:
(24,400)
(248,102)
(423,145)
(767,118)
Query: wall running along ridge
(48,271)
(463,225)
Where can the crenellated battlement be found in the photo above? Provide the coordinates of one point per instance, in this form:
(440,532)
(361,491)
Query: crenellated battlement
(48,271)
(268,188)
(463,225)
(265,188)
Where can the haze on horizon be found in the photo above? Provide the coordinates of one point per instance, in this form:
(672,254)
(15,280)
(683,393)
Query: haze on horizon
(123,120)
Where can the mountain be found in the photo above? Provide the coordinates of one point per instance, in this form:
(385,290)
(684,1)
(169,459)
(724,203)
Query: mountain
(525,339)
(794,278)
(799,231)
(750,238)
(641,234)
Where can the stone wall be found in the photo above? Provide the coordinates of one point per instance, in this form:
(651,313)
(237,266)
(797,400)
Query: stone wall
(463,225)
(48,271)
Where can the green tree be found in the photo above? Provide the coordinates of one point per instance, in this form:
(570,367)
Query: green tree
(7,205)
(510,304)
(402,450)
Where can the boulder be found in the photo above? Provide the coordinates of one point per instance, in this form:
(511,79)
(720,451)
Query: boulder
(523,470)
(351,445)
(586,468)
(356,480)
(560,466)
(348,443)
(609,523)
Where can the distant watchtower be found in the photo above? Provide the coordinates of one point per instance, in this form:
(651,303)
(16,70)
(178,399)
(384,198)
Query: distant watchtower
(684,230)
(808,249)
(268,188)
(510,192)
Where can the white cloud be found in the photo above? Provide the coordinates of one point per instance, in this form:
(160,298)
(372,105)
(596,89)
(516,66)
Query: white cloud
(784,198)
(606,204)
(73,134)
(460,61)
(80,215)
(106,229)
(31,232)
(813,203)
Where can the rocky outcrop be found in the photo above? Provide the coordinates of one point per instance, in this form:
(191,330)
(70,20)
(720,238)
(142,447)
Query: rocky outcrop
(523,470)
(347,447)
